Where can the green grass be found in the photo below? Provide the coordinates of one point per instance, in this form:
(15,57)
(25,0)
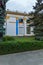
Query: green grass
(25,39)
(19,44)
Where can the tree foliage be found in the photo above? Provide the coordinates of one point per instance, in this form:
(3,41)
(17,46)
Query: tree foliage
(2,16)
(38,20)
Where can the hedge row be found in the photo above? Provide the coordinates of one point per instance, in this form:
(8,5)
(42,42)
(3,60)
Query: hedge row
(8,38)
(15,47)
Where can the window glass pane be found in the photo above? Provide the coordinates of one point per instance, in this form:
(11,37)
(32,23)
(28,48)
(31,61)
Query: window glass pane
(21,27)
(20,20)
(21,30)
(28,29)
(28,21)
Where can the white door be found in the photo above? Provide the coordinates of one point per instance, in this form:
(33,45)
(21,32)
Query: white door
(11,29)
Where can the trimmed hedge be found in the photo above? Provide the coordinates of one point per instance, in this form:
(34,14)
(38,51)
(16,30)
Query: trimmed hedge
(8,38)
(8,47)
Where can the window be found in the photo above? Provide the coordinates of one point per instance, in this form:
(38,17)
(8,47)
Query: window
(21,27)
(28,29)
(28,21)
(20,20)
(1,34)
(21,30)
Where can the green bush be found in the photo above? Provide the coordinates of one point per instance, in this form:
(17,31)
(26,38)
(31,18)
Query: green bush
(8,47)
(8,38)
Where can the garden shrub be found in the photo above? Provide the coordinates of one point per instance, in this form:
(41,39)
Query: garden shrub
(7,47)
(8,38)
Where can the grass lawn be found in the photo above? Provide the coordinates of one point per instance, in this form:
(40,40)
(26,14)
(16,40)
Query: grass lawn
(19,44)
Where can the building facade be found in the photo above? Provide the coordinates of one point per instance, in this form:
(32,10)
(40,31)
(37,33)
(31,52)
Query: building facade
(17,24)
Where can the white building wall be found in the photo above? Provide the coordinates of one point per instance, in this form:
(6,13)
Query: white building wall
(11,26)
(25,26)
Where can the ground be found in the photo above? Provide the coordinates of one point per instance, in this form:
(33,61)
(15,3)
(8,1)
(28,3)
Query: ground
(24,58)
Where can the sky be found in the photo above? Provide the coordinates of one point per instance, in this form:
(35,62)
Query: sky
(20,5)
